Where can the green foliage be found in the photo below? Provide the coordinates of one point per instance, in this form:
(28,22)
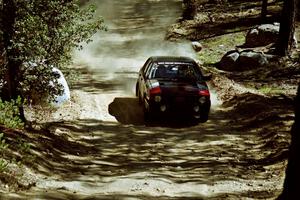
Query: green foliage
(271,90)
(24,147)
(3,145)
(215,48)
(9,114)
(25,150)
(3,165)
(46,33)
(50,30)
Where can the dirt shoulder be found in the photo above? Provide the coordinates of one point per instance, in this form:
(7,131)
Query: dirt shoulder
(220,18)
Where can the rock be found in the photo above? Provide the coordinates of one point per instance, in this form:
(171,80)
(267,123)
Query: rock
(262,35)
(197,46)
(58,80)
(273,28)
(249,59)
(65,96)
(229,61)
(243,61)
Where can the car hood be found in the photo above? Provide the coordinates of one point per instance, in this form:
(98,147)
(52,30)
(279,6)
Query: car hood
(178,87)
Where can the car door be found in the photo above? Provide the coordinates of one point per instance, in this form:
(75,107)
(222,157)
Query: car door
(143,78)
(140,78)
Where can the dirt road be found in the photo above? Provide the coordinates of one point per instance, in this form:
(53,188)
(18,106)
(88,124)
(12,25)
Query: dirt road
(228,157)
(98,146)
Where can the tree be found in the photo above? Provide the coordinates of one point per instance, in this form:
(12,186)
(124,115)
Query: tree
(291,182)
(37,35)
(264,10)
(287,28)
(298,10)
(189,9)
(12,65)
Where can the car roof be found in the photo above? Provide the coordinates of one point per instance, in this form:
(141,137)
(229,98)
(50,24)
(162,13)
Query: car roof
(171,59)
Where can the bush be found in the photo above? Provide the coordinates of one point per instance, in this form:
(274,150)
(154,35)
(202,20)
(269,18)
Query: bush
(3,147)
(43,35)
(9,114)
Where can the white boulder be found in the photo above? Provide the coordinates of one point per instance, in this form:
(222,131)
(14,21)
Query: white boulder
(197,46)
(65,96)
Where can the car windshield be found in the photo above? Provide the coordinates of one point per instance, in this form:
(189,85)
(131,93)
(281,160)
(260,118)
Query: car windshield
(182,71)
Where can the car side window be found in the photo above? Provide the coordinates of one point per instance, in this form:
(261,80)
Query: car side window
(144,68)
(151,71)
(145,65)
(198,72)
(148,70)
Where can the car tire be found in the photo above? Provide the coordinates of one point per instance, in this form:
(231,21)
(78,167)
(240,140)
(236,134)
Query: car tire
(147,114)
(137,89)
(138,94)
(203,118)
(140,98)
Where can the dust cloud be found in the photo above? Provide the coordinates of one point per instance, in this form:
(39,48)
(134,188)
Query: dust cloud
(136,31)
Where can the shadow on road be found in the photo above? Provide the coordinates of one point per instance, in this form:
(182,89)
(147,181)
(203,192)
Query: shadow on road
(67,195)
(129,111)
(95,155)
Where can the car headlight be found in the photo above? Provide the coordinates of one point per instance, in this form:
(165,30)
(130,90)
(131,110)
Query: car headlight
(202,100)
(157,98)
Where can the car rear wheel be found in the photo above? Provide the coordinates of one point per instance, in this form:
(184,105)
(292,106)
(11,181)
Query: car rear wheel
(140,98)
(147,116)
(137,90)
(147,113)
(138,94)
(203,119)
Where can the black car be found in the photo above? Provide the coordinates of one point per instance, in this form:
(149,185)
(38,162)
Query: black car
(173,85)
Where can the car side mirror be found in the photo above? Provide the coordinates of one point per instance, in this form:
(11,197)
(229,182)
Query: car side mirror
(207,77)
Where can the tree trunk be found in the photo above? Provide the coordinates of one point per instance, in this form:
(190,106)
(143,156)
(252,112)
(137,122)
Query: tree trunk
(264,11)
(298,10)
(189,9)
(13,65)
(8,19)
(287,28)
(292,178)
